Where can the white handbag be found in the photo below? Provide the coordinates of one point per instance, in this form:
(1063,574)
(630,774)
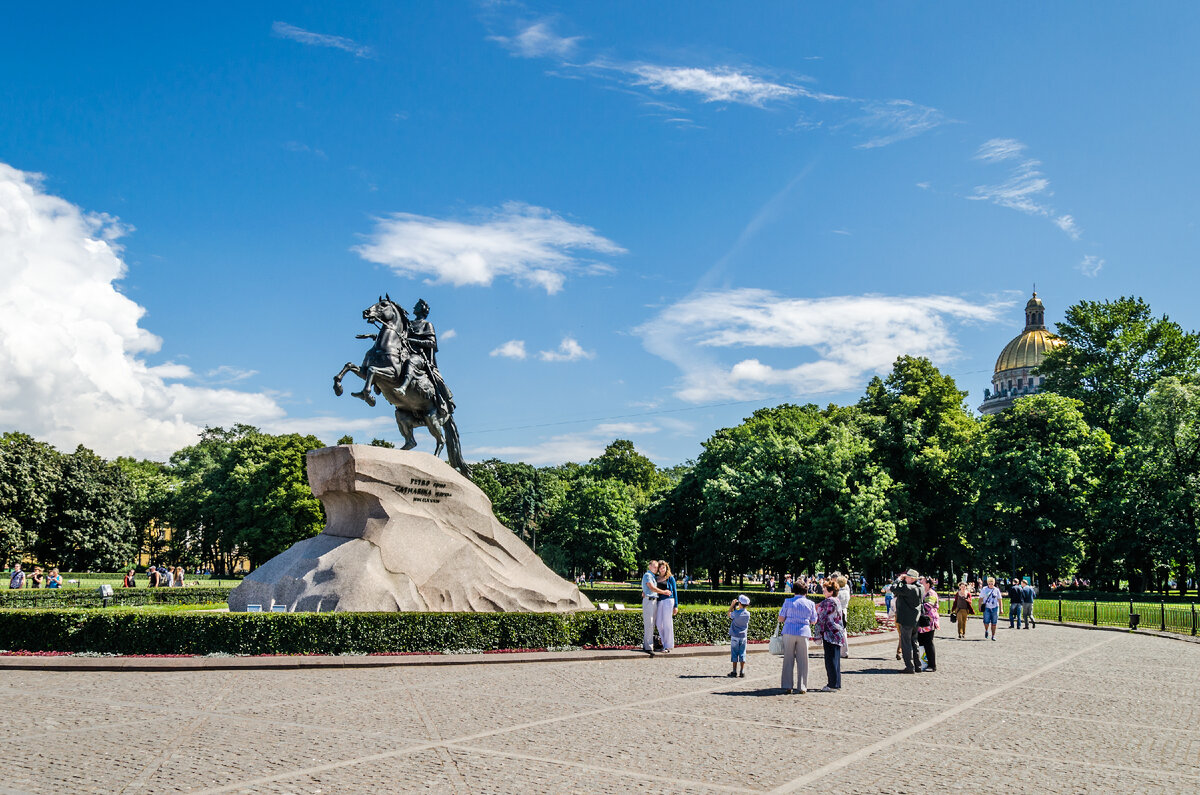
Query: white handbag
(775,645)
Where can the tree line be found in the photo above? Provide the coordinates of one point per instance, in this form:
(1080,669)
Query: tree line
(1098,477)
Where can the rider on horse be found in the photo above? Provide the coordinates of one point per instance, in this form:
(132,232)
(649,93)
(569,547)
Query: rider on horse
(422,342)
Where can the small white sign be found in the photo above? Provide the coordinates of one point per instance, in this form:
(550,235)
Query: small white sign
(253,608)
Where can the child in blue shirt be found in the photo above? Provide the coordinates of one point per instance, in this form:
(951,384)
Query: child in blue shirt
(739,626)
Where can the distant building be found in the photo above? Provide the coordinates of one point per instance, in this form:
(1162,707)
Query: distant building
(1014,376)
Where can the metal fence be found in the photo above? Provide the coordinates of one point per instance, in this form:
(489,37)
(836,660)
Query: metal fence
(1162,616)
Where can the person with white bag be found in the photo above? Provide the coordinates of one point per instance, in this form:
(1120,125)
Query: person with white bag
(796,618)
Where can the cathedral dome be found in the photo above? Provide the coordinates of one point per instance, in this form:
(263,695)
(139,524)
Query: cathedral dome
(1027,349)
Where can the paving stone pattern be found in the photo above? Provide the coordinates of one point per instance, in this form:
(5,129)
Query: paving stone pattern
(1049,710)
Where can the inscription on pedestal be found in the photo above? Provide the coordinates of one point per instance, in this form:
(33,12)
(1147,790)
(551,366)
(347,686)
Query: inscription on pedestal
(421,490)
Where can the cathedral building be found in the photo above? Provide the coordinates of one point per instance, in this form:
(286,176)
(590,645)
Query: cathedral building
(1014,376)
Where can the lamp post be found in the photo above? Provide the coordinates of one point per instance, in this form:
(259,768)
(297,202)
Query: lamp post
(1013,544)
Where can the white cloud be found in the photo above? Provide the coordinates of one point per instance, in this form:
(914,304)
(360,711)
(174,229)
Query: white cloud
(568,351)
(896,120)
(844,339)
(296,146)
(1026,188)
(529,245)
(448,334)
(513,349)
(71,347)
(538,40)
(1091,265)
(285,31)
(721,84)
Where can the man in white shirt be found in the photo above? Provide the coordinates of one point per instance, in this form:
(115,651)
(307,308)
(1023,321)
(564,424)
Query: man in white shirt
(989,604)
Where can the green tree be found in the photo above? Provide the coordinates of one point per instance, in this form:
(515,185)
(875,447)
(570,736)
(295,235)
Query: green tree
(620,461)
(152,489)
(89,523)
(29,474)
(596,527)
(347,439)
(922,432)
(1168,423)
(382,443)
(1037,468)
(1115,351)
(244,493)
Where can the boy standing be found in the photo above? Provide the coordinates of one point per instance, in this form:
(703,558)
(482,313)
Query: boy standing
(739,626)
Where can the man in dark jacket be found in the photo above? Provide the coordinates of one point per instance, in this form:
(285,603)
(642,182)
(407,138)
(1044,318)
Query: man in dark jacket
(907,596)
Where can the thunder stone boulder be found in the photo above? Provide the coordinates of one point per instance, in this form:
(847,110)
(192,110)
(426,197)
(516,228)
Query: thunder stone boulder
(405,531)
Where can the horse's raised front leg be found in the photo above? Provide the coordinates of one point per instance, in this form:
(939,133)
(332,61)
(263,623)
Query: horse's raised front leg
(350,367)
(365,394)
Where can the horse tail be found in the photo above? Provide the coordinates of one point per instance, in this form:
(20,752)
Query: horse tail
(454,448)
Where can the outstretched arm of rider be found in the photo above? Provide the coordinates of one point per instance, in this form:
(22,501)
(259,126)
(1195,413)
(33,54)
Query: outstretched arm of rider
(364,336)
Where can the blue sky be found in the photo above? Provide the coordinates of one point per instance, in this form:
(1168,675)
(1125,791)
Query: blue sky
(630,221)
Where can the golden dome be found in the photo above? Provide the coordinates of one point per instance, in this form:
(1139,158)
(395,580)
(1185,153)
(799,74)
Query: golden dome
(1027,350)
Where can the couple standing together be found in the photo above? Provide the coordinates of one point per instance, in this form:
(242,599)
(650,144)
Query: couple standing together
(659,605)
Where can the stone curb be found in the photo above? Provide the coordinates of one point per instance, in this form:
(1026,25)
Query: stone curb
(364,661)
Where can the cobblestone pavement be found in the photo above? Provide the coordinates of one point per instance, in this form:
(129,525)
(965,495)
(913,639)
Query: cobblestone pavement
(1049,710)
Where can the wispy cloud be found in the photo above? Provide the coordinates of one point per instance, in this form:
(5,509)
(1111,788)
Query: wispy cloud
(296,146)
(513,349)
(884,122)
(529,245)
(1091,265)
(538,40)
(285,31)
(1026,188)
(721,84)
(844,339)
(895,120)
(568,351)
(226,374)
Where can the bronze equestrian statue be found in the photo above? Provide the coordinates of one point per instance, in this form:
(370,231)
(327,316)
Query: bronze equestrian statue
(402,367)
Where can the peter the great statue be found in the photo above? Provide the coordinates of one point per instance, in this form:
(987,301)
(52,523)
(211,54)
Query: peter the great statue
(402,367)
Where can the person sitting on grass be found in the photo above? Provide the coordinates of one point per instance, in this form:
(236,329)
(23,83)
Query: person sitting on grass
(130,580)
(739,626)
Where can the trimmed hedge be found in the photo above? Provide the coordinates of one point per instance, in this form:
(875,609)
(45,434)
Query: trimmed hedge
(346,633)
(122,597)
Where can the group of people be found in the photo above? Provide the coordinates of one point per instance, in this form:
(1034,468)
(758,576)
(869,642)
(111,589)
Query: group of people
(158,577)
(19,579)
(660,605)
(799,619)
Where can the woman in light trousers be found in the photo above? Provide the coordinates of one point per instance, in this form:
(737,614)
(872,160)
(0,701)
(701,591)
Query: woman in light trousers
(668,607)
(797,616)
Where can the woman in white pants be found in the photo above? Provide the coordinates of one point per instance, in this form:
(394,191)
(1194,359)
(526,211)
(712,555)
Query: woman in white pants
(797,616)
(664,616)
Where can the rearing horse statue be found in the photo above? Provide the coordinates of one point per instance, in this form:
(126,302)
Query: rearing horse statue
(405,379)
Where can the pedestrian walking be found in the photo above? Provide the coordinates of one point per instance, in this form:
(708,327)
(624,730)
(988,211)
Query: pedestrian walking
(1027,597)
(989,603)
(962,608)
(1015,597)
(17,580)
(797,616)
(832,631)
(908,610)
(928,624)
(739,629)
(664,616)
